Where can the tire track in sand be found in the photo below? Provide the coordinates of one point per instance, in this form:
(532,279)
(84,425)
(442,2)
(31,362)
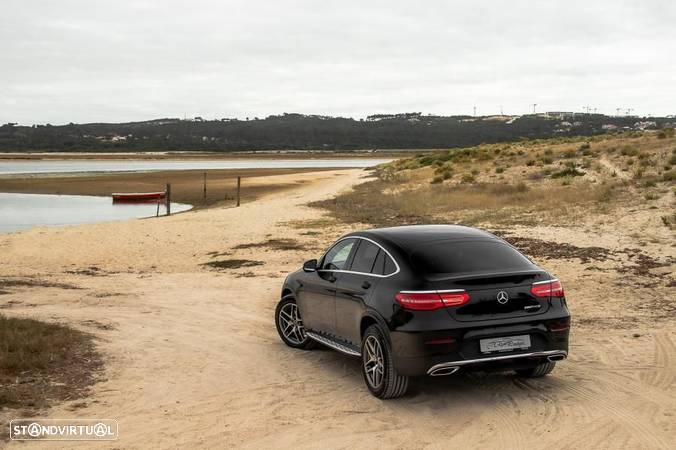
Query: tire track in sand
(662,376)
(645,433)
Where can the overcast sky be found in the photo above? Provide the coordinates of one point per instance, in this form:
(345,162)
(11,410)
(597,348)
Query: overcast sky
(122,60)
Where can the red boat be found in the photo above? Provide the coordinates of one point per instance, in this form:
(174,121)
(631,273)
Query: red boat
(137,197)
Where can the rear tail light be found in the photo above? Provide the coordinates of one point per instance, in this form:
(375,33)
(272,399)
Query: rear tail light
(431,300)
(559,326)
(550,288)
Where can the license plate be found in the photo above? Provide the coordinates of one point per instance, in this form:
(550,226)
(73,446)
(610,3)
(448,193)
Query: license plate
(504,344)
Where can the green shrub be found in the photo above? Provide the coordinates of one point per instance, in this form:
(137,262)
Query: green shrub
(446,167)
(568,172)
(530,162)
(499,169)
(437,179)
(665,133)
(467,178)
(628,150)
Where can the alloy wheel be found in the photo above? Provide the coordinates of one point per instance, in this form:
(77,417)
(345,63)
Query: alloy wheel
(291,324)
(374,367)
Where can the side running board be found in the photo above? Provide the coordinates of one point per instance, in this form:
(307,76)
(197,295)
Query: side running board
(336,345)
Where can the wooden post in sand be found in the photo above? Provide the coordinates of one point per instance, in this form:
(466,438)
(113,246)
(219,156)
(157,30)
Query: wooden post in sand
(205,187)
(167,198)
(239,185)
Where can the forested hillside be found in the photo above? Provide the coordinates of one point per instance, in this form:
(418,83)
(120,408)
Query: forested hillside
(308,132)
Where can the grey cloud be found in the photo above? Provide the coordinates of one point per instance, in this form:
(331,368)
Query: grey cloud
(80,60)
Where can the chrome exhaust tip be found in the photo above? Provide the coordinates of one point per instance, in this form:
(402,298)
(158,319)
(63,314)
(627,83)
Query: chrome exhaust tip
(443,371)
(557,357)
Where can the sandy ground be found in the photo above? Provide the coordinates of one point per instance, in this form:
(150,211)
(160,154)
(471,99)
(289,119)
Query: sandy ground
(193,358)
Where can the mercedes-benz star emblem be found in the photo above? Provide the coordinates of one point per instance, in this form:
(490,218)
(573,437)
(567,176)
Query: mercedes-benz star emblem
(503,297)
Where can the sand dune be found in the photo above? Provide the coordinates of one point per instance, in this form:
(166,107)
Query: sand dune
(193,358)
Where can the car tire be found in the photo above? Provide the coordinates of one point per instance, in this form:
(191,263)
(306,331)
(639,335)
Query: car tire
(377,366)
(290,326)
(538,371)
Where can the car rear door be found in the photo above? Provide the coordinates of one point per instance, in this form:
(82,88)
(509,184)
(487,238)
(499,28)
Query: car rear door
(354,287)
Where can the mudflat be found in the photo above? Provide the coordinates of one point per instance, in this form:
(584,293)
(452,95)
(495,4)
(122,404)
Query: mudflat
(187,186)
(192,357)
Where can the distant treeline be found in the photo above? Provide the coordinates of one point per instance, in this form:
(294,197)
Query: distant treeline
(308,132)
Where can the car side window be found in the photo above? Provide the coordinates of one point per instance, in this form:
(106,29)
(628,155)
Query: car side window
(336,257)
(364,257)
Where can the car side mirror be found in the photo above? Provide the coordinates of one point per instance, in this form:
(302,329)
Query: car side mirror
(310,266)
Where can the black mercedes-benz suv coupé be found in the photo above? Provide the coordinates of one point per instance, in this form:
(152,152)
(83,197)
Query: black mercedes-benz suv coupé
(426,300)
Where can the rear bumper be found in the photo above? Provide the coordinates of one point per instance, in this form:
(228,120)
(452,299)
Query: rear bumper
(449,368)
(444,352)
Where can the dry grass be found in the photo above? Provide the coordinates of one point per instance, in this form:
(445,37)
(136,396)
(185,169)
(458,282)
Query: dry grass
(472,202)
(232,263)
(526,182)
(320,223)
(40,362)
(274,244)
(14,282)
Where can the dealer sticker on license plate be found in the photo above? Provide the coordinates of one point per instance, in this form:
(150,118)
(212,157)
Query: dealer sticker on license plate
(504,344)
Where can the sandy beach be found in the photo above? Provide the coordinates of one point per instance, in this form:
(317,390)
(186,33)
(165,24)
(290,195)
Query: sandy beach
(192,357)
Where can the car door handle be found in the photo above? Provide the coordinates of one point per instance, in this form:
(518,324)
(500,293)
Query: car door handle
(366,284)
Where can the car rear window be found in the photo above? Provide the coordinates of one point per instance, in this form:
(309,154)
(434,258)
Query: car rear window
(467,257)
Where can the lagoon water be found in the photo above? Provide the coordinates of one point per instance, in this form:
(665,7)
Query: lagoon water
(13,167)
(22,211)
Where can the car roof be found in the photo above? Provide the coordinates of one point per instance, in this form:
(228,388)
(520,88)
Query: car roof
(408,237)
